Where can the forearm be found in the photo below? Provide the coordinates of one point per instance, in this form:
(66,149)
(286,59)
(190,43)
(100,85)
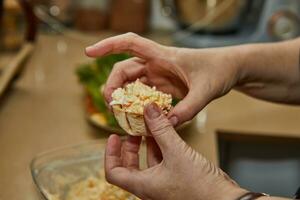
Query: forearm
(270,71)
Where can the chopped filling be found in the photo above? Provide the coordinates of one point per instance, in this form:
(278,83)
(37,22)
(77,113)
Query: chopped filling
(94,188)
(135,96)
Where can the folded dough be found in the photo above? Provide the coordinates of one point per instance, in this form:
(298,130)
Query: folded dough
(128,105)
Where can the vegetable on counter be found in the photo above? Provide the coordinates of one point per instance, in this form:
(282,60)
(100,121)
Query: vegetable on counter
(93,76)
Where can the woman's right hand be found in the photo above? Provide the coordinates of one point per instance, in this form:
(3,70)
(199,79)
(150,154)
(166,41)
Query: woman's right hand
(175,171)
(195,76)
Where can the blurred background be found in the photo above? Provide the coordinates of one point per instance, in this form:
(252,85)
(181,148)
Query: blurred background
(50,91)
(193,23)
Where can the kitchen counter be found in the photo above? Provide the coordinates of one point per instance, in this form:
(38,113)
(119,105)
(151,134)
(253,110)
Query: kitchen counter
(44,110)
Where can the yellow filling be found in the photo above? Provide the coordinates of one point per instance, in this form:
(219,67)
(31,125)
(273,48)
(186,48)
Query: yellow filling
(94,188)
(135,96)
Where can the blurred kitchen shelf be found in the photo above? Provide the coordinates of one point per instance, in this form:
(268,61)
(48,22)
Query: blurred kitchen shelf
(10,65)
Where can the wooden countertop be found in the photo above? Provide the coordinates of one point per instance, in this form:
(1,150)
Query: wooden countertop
(43,110)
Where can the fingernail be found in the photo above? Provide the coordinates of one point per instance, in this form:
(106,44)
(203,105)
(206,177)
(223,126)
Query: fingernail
(174,120)
(152,111)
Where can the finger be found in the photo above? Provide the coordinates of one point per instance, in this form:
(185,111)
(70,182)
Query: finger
(125,178)
(161,129)
(113,153)
(130,152)
(115,173)
(154,155)
(188,107)
(129,42)
(125,71)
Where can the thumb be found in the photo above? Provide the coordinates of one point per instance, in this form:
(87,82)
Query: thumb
(160,128)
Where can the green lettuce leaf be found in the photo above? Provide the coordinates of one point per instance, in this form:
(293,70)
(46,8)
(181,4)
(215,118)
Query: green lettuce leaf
(94,75)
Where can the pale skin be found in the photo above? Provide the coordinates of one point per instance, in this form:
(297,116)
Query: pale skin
(175,171)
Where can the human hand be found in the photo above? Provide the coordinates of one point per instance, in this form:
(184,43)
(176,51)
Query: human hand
(175,171)
(195,76)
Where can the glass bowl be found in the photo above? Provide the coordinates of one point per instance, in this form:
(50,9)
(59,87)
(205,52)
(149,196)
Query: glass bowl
(55,172)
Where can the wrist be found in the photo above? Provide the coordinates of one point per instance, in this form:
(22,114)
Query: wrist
(232,193)
(228,190)
(241,56)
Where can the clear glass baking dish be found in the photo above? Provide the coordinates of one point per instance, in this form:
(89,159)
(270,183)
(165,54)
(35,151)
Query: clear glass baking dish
(54,172)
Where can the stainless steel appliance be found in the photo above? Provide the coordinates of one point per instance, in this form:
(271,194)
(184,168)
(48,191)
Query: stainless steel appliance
(231,22)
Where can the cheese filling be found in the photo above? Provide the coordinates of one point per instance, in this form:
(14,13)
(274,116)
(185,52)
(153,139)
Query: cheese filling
(135,96)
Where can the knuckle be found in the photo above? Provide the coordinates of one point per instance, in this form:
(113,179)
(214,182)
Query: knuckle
(129,147)
(160,126)
(132,35)
(121,66)
(117,66)
(118,69)
(132,39)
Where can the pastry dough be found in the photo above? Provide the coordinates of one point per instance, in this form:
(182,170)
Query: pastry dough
(128,105)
